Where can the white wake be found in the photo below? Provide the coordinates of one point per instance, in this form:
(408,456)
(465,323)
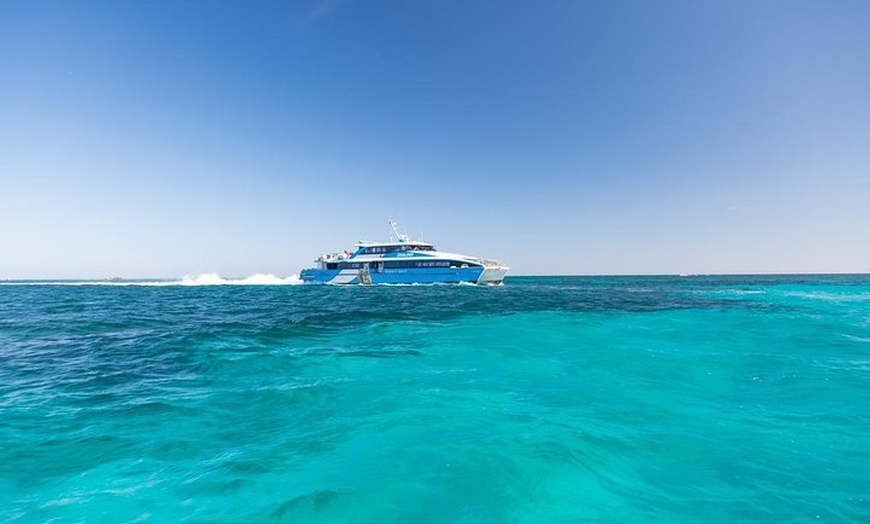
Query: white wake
(259,279)
(205,279)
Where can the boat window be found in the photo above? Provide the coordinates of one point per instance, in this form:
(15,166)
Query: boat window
(376,250)
(332,265)
(417,264)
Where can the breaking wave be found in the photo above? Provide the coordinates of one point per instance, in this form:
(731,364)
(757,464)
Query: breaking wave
(259,279)
(205,279)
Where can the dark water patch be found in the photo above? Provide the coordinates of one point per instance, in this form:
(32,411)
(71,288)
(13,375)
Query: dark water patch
(306,506)
(174,450)
(370,353)
(42,461)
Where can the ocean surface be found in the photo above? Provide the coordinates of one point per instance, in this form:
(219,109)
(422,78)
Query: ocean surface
(545,400)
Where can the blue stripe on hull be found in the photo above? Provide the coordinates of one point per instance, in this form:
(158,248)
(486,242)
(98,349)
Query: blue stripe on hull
(427,276)
(401,276)
(322,276)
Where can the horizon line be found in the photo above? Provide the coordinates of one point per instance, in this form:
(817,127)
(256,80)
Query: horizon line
(525,275)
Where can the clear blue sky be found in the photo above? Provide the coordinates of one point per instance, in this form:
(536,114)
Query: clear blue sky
(157,138)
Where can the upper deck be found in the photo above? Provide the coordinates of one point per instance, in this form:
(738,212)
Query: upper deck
(379,248)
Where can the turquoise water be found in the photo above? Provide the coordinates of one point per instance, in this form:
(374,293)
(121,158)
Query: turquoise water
(659,399)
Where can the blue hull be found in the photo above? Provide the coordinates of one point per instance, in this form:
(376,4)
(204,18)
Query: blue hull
(395,276)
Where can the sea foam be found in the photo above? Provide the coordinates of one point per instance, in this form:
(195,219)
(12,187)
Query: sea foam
(258,279)
(204,279)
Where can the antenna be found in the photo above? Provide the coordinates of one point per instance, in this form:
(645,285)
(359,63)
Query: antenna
(399,236)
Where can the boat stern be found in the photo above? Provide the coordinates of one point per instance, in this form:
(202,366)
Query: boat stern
(493,272)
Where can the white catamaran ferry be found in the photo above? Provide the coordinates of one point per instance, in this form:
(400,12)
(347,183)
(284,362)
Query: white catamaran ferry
(402,261)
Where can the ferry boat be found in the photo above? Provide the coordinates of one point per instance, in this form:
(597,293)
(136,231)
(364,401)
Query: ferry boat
(402,261)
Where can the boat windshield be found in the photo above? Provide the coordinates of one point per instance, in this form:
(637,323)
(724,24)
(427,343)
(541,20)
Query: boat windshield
(374,250)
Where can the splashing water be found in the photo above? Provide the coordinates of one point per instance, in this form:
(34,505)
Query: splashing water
(204,279)
(259,279)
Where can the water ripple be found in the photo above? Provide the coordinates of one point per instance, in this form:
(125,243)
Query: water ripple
(608,399)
